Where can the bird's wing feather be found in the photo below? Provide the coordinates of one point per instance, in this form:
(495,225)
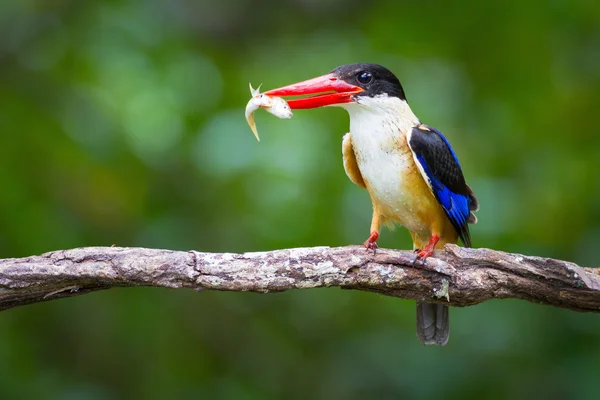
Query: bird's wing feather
(350,164)
(440,168)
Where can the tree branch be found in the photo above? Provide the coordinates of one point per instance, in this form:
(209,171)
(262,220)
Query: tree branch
(456,276)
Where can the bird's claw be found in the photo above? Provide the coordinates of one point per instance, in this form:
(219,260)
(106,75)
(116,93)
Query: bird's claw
(371,246)
(371,242)
(427,251)
(422,255)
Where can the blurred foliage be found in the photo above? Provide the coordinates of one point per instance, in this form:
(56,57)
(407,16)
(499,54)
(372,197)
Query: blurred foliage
(122,123)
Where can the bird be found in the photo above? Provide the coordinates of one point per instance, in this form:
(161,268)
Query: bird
(409,169)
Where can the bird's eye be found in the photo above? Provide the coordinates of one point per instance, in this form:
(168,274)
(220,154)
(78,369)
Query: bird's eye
(364,77)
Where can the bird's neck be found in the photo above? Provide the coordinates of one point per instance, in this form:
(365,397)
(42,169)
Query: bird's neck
(379,118)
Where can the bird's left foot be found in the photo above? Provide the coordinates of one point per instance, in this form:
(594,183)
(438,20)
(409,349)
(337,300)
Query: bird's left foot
(371,242)
(427,251)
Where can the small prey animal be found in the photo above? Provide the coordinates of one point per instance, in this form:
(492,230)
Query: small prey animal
(409,169)
(275,105)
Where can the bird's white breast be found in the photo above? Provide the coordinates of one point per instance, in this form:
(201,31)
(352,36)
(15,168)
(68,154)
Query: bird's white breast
(379,128)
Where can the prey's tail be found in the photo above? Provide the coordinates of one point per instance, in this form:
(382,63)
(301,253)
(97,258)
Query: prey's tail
(433,323)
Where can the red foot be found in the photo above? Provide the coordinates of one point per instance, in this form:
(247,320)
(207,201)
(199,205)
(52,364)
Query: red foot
(428,250)
(371,242)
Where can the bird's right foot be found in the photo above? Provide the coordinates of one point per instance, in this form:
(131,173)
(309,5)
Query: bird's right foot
(371,242)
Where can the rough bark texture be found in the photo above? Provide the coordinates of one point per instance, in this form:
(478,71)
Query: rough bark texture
(455,276)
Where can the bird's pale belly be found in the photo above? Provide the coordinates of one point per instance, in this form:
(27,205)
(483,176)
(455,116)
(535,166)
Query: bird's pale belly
(397,188)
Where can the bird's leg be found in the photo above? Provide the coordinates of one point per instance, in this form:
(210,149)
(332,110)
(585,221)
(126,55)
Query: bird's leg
(427,251)
(371,242)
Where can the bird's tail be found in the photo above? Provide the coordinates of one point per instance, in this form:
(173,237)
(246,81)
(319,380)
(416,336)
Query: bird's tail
(433,323)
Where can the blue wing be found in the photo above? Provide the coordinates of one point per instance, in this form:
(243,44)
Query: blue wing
(441,170)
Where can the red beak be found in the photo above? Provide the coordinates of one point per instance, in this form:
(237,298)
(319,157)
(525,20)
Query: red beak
(322,86)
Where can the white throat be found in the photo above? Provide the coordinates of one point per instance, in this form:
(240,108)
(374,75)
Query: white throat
(389,114)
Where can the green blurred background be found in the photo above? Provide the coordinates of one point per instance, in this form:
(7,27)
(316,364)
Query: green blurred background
(122,122)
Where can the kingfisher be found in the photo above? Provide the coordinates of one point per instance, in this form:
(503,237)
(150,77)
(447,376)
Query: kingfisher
(409,169)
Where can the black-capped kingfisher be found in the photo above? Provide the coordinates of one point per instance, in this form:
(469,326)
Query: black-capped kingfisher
(409,169)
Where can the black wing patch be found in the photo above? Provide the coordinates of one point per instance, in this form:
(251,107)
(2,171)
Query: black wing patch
(445,178)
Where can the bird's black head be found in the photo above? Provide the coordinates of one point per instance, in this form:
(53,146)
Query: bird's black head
(343,85)
(374,79)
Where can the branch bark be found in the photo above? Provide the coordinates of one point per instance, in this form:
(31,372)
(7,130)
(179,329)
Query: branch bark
(456,276)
